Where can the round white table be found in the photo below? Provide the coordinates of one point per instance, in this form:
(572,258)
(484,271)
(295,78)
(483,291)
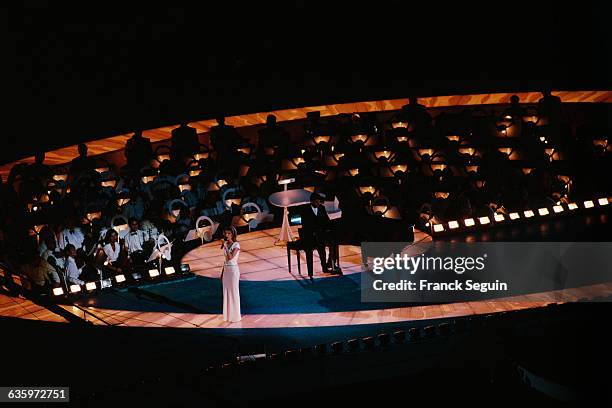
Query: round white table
(286,199)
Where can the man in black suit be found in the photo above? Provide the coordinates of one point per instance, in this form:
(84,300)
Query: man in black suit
(225,140)
(273,136)
(82,165)
(315,231)
(138,151)
(184,142)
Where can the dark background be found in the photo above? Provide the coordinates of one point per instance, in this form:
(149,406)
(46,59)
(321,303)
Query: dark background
(82,71)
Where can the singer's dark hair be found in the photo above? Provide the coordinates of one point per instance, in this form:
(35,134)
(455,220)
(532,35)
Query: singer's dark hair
(108,235)
(232,229)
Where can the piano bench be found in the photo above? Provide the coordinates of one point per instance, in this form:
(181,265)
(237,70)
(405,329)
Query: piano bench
(297,247)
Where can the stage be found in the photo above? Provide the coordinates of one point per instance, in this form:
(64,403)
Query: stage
(271,297)
(262,260)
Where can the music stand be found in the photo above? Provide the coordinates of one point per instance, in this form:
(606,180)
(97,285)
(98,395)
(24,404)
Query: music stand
(159,251)
(200,232)
(154,255)
(195,234)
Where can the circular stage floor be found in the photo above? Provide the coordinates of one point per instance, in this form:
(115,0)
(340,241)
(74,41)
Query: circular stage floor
(262,260)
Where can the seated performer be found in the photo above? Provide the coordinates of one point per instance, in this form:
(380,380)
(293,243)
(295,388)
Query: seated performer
(109,256)
(316,234)
(72,234)
(134,243)
(73,271)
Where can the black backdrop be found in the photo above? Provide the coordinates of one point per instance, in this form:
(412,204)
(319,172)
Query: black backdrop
(80,72)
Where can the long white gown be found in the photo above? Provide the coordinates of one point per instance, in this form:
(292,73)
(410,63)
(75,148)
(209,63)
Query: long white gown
(231,293)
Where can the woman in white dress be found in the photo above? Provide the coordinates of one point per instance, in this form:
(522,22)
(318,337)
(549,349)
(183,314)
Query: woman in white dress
(230,276)
(108,257)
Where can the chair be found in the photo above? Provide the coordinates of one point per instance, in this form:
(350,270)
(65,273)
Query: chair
(298,246)
(252,219)
(172,211)
(206,232)
(162,153)
(104,169)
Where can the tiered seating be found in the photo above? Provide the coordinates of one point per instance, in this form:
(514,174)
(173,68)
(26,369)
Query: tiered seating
(443,173)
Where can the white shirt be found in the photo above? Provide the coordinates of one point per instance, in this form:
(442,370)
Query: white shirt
(72,272)
(74,237)
(112,253)
(40,273)
(134,241)
(59,261)
(315,210)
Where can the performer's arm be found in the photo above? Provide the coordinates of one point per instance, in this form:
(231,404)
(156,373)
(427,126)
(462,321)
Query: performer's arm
(225,252)
(73,274)
(232,254)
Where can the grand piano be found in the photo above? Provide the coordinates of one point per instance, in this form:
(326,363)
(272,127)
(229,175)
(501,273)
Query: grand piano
(350,223)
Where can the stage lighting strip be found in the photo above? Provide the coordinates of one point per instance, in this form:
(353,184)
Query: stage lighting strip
(500,219)
(119,280)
